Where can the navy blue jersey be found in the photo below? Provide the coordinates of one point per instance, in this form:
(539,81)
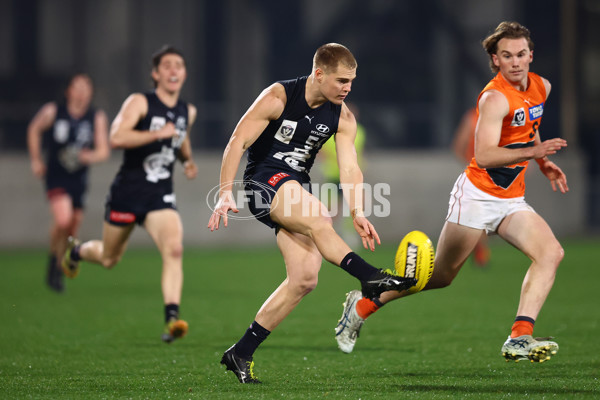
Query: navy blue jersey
(291,142)
(64,140)
(147,170)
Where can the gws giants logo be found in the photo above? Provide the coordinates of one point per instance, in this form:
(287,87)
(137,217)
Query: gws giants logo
(286,131)
(519,117)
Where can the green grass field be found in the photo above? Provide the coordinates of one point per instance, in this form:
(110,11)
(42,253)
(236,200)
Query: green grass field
(101,338)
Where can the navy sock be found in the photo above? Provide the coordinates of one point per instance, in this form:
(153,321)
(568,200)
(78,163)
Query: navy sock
(524,318)
(253,337)
(377,302)
(357,267)
(75,256)
(171,312)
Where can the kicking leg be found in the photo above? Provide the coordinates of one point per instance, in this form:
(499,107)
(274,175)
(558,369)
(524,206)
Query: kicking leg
(454,246)
(299,211)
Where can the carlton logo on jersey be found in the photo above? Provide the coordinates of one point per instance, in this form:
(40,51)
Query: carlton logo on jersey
(286,131)
(519,117)
(154,164)
(536,112)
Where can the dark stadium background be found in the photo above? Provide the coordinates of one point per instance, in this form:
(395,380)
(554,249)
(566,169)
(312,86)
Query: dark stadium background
(420,63)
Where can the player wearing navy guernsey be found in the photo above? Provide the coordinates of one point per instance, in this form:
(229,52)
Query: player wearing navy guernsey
(282,131)
(76,135)
(153,128)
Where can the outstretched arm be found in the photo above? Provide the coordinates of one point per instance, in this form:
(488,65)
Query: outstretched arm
(268,106)
(351,178)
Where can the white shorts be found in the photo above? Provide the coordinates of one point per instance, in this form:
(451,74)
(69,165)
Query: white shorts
(472,207)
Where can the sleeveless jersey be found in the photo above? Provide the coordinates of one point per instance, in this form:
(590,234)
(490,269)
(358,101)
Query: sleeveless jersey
(291,142)
(64,141)
(147,170)
(519,127)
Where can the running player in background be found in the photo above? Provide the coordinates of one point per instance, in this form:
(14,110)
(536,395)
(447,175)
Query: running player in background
(463,146)
(283,131)
(153,128)
(77,136)
(489,195)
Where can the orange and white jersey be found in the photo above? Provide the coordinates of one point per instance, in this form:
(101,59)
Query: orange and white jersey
(519,128)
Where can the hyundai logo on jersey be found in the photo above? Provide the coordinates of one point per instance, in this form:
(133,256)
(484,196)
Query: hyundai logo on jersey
(322,128)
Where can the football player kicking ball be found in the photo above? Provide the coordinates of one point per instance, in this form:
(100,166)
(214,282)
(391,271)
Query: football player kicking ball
(489,195)
(153,128)
(283,131)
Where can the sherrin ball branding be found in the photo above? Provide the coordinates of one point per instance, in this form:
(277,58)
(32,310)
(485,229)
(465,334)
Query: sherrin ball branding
(414,259)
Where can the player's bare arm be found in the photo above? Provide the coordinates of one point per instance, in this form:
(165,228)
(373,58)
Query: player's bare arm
(41,122)
(101,149)
(493,107)
(557,178)
(122,133)
(185,152)
(268,106)
(351,177)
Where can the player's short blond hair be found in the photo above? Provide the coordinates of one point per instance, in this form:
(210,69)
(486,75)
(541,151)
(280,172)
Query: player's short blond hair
(330,55)
(506,30)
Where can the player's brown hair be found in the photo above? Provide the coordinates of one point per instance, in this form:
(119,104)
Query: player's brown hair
(330,55)
(506,30)
(160,53)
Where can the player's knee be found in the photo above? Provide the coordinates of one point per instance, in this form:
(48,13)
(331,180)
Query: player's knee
(305,284)
(174,250)
(110,262)
(322,224)
(555,254)
(63,225)
(439,280)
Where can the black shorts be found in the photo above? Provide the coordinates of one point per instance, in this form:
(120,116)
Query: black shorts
(122,209)
(74,189)
(261,187)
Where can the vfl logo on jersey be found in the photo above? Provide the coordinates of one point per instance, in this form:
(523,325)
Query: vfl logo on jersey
(519,117)
(157,122)
(61,131)
(154,164)
(322,128)
(536,112)
(286,131)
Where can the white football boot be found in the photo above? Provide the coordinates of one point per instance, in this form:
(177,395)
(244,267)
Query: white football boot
(526,347)
(348,327)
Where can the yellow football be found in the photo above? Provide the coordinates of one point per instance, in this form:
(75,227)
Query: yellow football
(414,259)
